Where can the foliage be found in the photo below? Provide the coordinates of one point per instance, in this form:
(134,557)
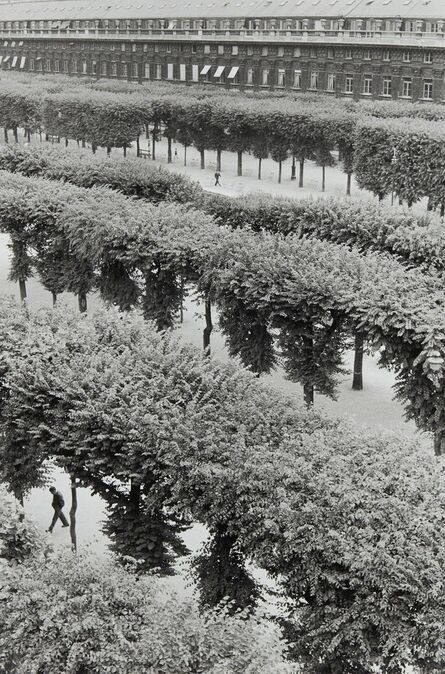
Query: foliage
(78,614)
(403,155)
(365,225)
(221,576)
(128,176)
(267,286)
(19,538)
(351,522)
(113,114)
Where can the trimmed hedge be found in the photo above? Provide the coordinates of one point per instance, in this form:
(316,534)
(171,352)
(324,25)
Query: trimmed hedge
(129,176)
(269,126)
(404,156)
(418,240)
(314,293)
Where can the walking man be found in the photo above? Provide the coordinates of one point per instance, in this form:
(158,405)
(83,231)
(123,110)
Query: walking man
(217,177)
(58,503)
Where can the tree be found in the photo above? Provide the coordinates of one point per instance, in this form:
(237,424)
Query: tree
(303,149)
(308,499)
(260,150)
(279,151)
(323,158)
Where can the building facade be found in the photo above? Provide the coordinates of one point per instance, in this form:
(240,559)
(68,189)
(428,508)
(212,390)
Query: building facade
(382,49)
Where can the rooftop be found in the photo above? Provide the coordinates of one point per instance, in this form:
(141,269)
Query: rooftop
(149,9)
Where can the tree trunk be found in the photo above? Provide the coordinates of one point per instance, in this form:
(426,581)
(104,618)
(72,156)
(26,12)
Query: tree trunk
(280,168)
(58,139)
(82,298)
(300,180)
(108,151)
(138,147)
(18,493)
(66,142)
(15,131)
(169,150)
(240,164)
(209,325)
(185,155)
(357,378)
(201,152)
(181,308)
(22,287)
(429,205)
(47,137)
(259,168)
(438,443)
(147,131)
(293,174)
(54,295)
(308,393)
(348,184)
(73,511)
(308,387)
(28,135)
(218,160)
(323,178)
(83,144)
(135,496)
(153,142)
(93,148)
(125,150)
(442,209)
(5,133)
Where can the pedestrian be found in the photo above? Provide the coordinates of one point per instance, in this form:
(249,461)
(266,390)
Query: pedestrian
(58,503)
(217,177)
(176,153)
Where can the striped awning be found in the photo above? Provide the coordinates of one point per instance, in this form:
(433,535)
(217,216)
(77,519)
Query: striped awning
(5,44)
(14,61)
(1,59)
(6,59)
(233,72)
(219,71)
(21,43)
(205,70)
(22,62)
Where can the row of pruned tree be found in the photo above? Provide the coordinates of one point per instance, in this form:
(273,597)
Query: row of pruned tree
(348,523)
(405,157)
(415,239)
(366,226)
(297,298)
(265,127)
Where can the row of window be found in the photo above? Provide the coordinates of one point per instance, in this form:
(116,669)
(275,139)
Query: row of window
(356,25)
(366,54)
(174,71)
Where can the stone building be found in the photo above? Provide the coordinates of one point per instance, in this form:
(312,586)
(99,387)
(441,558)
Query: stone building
(384,49)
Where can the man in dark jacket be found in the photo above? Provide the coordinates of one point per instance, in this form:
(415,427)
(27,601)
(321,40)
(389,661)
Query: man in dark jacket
(58,503)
